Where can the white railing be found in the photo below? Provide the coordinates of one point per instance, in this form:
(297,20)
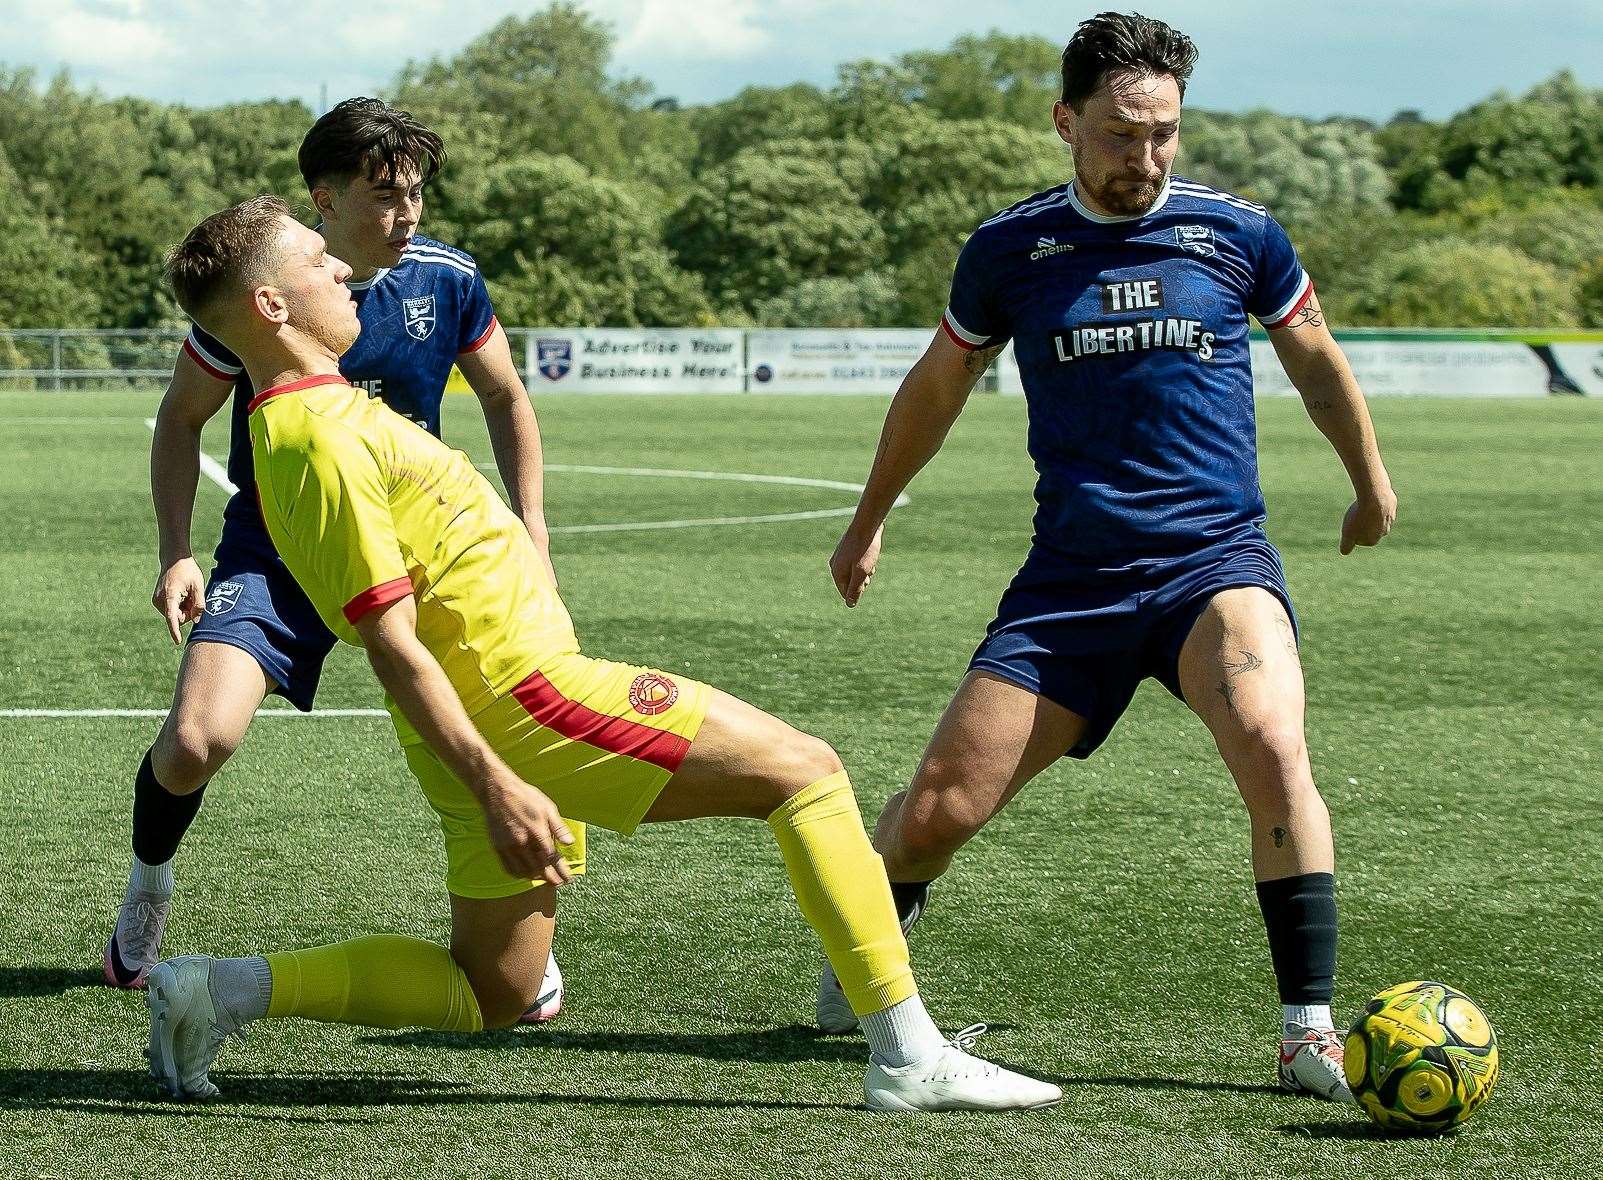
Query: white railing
(1477,362)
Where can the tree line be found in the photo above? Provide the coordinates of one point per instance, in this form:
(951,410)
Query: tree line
(589,199)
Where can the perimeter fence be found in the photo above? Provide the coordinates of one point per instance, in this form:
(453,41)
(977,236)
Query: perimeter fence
(1416,362)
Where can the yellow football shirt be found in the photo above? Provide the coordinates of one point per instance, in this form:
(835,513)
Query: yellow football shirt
(366,507)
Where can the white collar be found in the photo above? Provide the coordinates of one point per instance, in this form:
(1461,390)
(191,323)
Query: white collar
(1105,219)
(366,283)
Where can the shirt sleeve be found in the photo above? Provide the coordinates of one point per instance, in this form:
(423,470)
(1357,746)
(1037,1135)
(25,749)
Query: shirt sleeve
(972,320)
(334,528)
(1280,287)
(478,318)
(210,354)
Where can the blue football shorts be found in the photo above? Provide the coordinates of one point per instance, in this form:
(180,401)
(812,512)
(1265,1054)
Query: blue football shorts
(1086,641)
(253,603)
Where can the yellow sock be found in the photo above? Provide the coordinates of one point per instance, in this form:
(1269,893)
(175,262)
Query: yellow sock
(839,881)
(384,981)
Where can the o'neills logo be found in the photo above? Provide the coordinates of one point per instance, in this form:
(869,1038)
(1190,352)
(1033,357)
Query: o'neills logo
(1046,247)
(652,693)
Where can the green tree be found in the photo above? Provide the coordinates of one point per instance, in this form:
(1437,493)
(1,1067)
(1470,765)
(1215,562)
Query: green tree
(559,245)
(871,298)
(1454,283)
(47,280)
(1295,167)
(770,218)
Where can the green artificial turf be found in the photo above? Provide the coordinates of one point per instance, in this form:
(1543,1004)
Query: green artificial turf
(1104,925)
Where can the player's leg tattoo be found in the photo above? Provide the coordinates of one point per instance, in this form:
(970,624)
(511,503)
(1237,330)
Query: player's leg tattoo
(1234,669)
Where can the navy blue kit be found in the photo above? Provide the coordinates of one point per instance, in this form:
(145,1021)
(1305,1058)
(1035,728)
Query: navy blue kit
(1131,335)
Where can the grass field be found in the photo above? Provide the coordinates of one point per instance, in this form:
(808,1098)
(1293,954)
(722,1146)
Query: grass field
(1104,926)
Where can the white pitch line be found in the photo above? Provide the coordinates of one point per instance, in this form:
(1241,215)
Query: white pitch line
(211,468)
(902,501)
(60,713)
(219,476)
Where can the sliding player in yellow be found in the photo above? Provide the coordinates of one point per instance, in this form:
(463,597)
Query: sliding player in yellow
(404,548)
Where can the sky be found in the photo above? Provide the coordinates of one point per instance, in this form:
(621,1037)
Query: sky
(1355,57)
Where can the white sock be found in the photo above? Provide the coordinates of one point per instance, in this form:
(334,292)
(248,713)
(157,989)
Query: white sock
(902,1034)
(1307,1015)
(241,987)
(143,878)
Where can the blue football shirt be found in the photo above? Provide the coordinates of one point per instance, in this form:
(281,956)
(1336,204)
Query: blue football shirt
(1131,340)
(417,318)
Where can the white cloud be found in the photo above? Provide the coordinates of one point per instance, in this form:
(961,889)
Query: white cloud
(1367,56)
(711,28)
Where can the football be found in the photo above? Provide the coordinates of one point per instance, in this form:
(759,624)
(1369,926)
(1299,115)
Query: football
(1421,1058)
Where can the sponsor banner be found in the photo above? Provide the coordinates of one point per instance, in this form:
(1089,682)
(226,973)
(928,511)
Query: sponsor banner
(829,361)
(1439,368)
(635,360)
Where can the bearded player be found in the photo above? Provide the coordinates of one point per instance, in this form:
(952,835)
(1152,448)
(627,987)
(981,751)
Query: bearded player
(406,550)
(424,307)
(1126,293)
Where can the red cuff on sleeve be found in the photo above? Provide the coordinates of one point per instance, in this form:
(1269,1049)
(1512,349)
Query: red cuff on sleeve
(1300,303)
(377,596)
(210,367)
(482,340)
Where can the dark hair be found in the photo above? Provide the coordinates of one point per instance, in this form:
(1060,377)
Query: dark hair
(369,138)
(226,250)
(1123,43)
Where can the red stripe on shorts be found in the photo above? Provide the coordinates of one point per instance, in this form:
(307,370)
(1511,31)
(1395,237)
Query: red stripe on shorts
(616,735)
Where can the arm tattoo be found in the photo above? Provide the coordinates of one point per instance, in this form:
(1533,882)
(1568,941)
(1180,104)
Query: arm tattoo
(1287,633)
(1280,837)
(1234,670)
(980,359)
(1310,316)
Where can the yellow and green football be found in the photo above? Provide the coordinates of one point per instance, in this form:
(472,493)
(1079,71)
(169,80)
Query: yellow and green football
(1421,1058)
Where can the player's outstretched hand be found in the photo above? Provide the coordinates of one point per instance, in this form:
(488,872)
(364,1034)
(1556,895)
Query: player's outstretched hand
(852,564)
(1368,520)
(526,831)
(180,595)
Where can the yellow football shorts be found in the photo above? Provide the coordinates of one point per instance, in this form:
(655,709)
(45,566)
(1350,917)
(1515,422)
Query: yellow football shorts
(601,739)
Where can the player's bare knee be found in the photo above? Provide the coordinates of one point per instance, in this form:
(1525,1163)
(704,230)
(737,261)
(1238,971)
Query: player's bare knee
(800,760)
(936,824)
(1274,747)
(187,753)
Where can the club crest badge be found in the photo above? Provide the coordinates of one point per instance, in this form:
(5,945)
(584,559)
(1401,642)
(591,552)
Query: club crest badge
(1198,239)
(419,317)
(652,693)
(224,597)
(553,357)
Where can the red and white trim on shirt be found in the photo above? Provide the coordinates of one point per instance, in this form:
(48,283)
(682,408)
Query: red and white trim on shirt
(1305,292)
(484,338)
(616,735)
(213,365)
(961,336)
(291,386)
(381,595)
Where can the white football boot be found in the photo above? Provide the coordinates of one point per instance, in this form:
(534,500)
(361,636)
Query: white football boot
(187,1026)
(550,1002)
(135,945)
(954,1079)
(1311,1063)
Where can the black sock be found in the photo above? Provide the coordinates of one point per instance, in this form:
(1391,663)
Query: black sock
(1300,915)
(911,897)
(160,817)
